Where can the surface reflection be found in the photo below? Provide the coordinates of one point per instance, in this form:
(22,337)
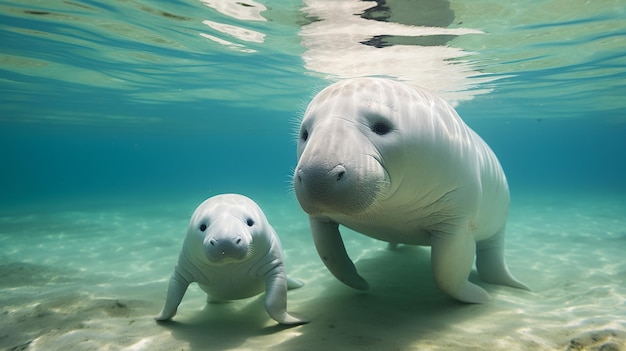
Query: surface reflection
(405,40)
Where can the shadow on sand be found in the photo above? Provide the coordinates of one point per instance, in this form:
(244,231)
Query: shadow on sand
(402,306)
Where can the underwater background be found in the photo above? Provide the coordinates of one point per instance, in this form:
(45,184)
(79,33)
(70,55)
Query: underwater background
(118,118)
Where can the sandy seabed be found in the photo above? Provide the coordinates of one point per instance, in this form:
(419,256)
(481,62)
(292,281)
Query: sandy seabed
(92,276)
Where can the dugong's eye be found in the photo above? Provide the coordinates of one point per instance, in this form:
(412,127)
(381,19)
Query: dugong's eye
(202,227)
(304,135)
(380,128)
(249,222)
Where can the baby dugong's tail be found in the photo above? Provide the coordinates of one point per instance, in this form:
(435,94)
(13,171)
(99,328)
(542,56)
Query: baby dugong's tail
(491,265)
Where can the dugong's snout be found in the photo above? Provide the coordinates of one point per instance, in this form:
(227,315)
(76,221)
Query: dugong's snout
(315,181)
(221,249)
(324,188)
(317,185)
(339,168)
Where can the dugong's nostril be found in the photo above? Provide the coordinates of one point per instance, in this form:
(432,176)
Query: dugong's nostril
(340,175)
(212,242)
(338,172)
(238,240)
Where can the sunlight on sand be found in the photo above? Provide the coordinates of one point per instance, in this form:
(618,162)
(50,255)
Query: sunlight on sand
(94,279)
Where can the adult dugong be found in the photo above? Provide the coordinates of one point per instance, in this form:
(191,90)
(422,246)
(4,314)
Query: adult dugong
(398,164)
(232,252)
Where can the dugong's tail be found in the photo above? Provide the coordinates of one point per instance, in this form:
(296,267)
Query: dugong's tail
(491,265)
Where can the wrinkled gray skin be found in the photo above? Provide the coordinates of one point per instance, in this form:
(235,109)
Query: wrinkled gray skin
(398,164)
(232,252)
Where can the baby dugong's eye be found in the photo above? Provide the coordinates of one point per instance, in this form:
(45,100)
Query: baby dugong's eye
(202,227)
(250,222)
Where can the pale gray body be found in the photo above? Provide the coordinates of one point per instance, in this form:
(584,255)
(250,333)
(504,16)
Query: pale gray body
(232,252)
(397,163)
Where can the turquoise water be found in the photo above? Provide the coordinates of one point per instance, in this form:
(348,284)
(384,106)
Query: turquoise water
(118,118)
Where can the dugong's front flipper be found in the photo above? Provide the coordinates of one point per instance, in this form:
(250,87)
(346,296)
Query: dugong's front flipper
(333,253)
(175,292)
(276,298)
(452,257)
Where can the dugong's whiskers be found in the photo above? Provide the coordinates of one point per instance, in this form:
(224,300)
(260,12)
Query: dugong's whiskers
(381,188)
(296,121)
(289,183)
(250,251)
(295,134)
(373,209)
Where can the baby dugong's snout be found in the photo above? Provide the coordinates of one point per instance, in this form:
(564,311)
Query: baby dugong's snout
(221,248)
